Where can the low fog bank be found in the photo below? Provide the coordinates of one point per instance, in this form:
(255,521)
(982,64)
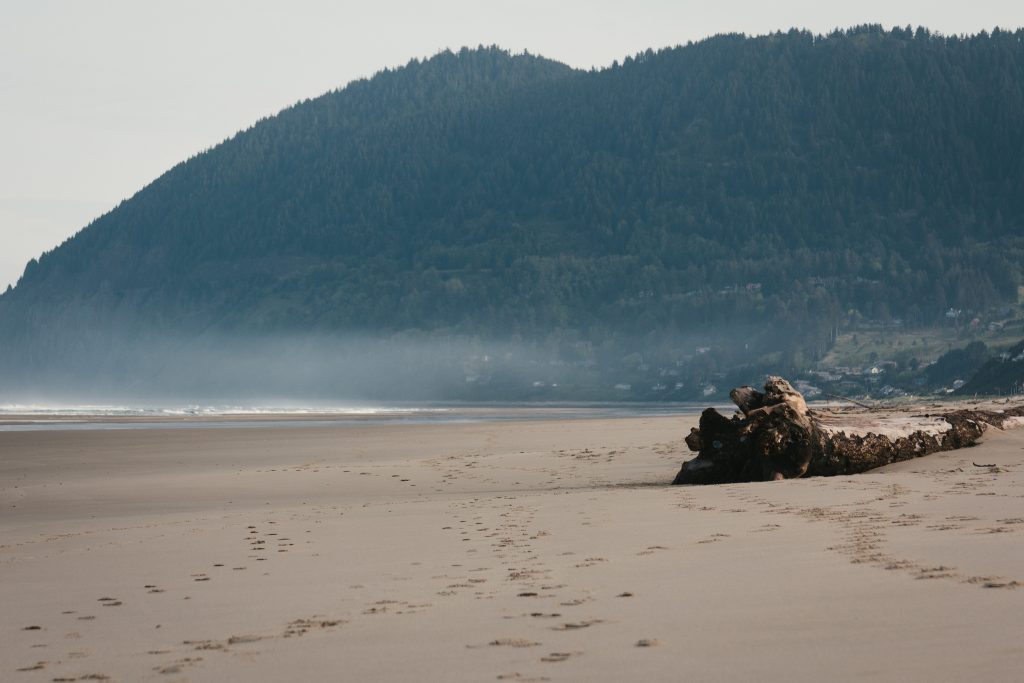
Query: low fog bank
(219,369)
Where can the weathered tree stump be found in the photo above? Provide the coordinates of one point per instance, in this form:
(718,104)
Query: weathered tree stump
(776,436)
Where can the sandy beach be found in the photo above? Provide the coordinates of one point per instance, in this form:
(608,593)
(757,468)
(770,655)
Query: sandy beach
(529,550)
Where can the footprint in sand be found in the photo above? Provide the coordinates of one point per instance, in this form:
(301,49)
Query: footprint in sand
(559,656)
(651,549)
(507,642)
(575,625)
(590,562)
(574,602)
(35,667)
(301,627)
(177,667)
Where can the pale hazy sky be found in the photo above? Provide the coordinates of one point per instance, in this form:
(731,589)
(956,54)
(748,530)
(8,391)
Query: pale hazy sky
(100,97)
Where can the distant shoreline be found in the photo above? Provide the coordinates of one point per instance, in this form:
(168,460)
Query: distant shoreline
(89,417)
(84,420)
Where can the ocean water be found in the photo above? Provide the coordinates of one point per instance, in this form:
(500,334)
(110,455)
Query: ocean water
(101,410)
(61,417)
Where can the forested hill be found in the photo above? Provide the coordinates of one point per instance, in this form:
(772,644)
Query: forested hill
(791,179)
(1001,375)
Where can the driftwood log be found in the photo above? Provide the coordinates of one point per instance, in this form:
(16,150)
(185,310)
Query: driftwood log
(776,436)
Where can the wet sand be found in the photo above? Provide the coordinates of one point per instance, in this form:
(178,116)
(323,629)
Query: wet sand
(517,551)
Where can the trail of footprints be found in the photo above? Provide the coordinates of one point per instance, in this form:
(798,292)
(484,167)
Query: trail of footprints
(864,529)
(258,543)
(505,529)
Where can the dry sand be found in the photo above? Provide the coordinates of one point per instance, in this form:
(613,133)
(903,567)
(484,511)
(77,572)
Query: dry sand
(517,551)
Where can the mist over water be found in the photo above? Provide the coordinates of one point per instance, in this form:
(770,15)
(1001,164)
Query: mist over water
(245,372)
(110,373)
(114,367)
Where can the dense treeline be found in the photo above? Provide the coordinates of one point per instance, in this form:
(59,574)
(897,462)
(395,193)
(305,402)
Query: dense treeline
(791,179)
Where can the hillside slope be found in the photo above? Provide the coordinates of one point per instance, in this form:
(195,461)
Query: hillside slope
(779,184)
(1000,376)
